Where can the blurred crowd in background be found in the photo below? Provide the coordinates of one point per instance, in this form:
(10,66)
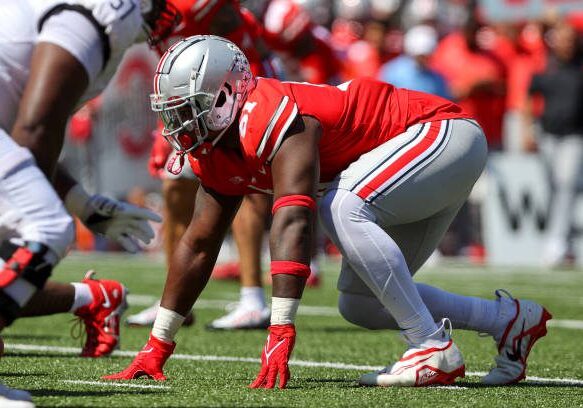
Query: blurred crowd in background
(521,78)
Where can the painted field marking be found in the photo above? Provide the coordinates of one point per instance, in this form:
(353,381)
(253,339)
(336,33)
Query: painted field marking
(117,384)
(324,311)
(299,363)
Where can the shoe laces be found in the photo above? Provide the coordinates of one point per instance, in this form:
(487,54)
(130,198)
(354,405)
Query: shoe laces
(446,322)
(87,337)
(500,293)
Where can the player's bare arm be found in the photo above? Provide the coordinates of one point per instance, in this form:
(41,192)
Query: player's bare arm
(54,89)
(295,170)
(56,83)
(196,254)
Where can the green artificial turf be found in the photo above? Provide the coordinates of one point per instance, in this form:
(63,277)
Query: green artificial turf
(323,336)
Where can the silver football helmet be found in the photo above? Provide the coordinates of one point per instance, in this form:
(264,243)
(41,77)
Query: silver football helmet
(200,83)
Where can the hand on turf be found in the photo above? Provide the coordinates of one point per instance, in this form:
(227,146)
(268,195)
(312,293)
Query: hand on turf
(275,357)
(122,222)
(149,362)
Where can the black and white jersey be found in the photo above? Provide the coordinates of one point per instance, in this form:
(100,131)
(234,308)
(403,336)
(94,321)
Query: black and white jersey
(95,32)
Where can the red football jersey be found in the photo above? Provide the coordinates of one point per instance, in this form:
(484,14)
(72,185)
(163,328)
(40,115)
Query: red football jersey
(197,16)
(355,117)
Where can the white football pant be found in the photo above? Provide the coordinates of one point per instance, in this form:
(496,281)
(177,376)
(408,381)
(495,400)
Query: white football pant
(387,213)
(29,207)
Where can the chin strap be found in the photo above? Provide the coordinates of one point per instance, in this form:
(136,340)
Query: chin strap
(176,162)
(176,168)
(172,166)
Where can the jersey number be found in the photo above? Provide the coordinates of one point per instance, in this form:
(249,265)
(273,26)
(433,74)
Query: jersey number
(120,4)
(247,108)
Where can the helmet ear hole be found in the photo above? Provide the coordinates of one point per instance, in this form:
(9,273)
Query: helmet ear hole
(221,99)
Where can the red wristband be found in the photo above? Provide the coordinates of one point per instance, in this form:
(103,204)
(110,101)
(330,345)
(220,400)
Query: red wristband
(299,200)
(290,268)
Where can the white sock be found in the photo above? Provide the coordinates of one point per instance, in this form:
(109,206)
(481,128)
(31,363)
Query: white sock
(83,296)
(167,324)
(252,297)
(419,328)
(438,339)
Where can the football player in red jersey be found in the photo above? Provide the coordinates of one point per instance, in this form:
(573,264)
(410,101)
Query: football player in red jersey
(306,47)
(228,19)
(393,167)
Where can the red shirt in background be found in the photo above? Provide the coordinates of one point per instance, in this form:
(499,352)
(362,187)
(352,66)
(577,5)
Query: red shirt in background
(477,78)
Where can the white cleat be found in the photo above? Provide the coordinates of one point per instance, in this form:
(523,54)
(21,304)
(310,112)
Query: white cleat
(144,318)
(242,318)
(524,329)
(421,367)
(13,398)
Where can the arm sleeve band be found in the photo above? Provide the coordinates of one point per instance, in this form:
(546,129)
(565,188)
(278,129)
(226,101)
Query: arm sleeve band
(299,200)
(290,268)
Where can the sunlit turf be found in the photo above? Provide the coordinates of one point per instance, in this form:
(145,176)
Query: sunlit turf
(320,338)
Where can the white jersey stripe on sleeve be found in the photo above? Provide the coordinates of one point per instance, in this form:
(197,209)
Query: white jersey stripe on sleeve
(282,132)
(271,125)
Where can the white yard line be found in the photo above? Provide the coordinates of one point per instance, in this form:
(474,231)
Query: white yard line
(566,324)
(117,384)
(299,363)
(325,311)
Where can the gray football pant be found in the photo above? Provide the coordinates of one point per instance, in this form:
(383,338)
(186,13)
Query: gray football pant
(384,241)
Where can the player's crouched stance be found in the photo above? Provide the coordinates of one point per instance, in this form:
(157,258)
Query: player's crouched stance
(396,166)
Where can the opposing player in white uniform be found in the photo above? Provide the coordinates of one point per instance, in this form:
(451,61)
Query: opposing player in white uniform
(54,56)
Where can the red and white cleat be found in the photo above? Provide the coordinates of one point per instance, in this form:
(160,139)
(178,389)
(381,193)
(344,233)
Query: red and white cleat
(421,367)
(527,326)
(102,316)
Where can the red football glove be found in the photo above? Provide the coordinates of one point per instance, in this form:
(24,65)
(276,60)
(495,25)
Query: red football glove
(275,357)
(161,149)
(149,362)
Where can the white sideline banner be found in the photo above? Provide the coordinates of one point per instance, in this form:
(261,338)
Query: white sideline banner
(521,10)
(516,210)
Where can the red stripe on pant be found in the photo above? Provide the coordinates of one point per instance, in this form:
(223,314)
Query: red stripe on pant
(401,162)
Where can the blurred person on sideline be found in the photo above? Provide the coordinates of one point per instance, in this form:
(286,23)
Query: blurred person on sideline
(476,77)
(305,47)
(359,39)
(561,141)
(411,70)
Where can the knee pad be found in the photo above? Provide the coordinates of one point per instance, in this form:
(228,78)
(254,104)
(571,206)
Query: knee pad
(32,262)
(365,311)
